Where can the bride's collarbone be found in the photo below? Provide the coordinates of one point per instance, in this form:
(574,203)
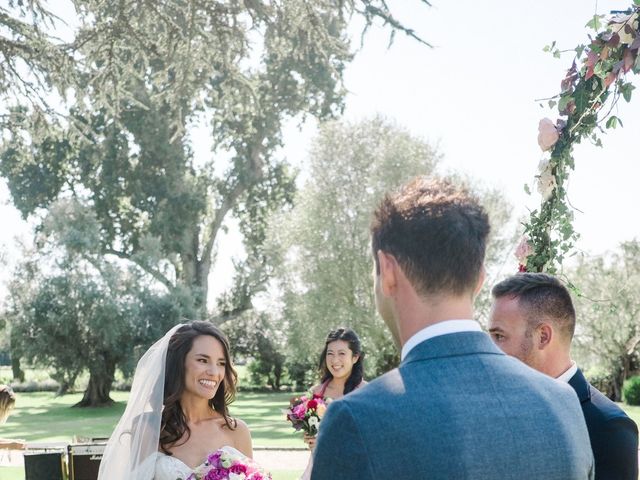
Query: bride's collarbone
(206,436)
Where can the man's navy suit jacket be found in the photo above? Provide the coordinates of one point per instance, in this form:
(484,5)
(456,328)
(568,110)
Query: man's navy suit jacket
(613,435)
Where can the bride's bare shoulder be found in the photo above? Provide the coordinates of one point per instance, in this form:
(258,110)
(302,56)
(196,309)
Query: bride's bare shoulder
(242,437)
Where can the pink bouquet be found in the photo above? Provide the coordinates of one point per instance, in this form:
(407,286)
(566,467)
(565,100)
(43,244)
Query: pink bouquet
(305,413)
(229,464)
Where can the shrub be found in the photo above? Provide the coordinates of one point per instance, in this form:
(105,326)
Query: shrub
(631,390)
(603,381)
(36,386)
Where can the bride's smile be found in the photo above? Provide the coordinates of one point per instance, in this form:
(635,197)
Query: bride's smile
(204,367)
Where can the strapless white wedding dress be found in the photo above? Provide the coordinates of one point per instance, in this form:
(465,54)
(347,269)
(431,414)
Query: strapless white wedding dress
(171,468)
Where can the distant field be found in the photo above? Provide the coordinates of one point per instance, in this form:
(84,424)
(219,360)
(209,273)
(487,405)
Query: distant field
(41,417)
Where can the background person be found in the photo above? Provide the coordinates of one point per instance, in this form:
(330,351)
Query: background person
(7,403)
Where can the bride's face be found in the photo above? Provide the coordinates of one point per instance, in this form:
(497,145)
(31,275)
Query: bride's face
(340,359)
(205,366)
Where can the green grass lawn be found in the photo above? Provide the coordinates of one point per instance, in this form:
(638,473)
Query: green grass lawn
(41,417)
(633,412)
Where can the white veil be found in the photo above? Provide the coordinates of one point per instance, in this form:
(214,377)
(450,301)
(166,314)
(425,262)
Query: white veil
(132,449)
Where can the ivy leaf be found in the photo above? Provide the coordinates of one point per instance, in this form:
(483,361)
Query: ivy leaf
(581,97)
(628,60)
(592,59)
(625,90)
(612,122)
(564,101)
(552,103)
(580,49)
(636,2)
(595,23)
(527,190)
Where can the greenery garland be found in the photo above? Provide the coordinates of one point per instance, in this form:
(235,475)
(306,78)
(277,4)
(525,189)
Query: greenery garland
(589,91)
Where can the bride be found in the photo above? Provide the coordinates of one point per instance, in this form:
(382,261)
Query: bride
(177,412)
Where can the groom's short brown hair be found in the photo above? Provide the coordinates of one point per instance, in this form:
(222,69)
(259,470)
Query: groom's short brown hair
(541,296)
(437,231)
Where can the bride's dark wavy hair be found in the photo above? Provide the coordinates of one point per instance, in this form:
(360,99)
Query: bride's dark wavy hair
(357,373)
(174,424)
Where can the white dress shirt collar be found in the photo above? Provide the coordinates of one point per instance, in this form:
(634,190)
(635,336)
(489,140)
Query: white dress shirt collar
(570,372)
(437,329)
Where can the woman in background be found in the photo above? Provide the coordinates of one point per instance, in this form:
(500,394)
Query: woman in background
(341,369)
(7,402)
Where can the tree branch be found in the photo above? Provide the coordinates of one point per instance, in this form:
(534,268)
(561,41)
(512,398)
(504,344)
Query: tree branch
(151,271)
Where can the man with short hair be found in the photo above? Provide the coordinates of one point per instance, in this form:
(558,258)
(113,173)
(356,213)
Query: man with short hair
(457,407)
(533,319)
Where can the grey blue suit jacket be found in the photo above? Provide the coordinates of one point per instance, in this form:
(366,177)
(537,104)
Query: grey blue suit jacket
(457,408)
(614,436)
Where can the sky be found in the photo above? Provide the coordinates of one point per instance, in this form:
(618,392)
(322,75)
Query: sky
(474,95)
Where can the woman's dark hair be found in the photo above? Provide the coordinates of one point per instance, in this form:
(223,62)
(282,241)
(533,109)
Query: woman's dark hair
(7,402)
(174,424)
(349,336)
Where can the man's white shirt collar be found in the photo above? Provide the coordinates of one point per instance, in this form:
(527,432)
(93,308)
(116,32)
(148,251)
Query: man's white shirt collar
(571,371)
(437,329)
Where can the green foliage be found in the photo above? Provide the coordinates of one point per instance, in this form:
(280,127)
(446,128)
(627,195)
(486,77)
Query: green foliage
(258,338)
(589,92)
(142,75)
(631,390)
(322,247)
(72,310)
(608,321)
(602,380)
(595,23)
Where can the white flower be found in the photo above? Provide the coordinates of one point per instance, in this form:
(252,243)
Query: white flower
(237,476)
(546,184)
(313,422)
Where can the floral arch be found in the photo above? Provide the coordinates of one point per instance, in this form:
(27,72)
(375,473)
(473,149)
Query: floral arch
(590,90)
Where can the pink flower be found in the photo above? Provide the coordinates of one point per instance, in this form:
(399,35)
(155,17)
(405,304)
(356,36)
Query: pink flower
(547,134)
(523,251)
(299,410)
(239,468)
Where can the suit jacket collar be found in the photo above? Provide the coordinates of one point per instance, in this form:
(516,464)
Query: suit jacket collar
(581,386)
(451,345)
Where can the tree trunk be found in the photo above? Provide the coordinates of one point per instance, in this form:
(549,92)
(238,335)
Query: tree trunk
(17,372)
(99,388)
(621,374)
(191,272)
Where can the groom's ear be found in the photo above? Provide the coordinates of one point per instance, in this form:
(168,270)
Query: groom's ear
(545,335)
(388,273)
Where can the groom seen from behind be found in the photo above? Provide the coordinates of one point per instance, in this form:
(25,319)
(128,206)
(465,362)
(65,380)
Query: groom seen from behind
(457,407)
